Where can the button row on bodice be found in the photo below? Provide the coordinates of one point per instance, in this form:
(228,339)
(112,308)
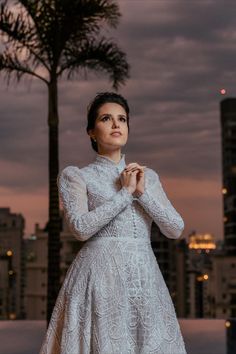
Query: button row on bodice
(133,217)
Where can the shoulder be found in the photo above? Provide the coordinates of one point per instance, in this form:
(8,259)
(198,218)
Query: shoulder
(70,174)
(69,171)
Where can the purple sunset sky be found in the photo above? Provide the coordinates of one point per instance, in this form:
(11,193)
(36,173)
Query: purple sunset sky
(181,54)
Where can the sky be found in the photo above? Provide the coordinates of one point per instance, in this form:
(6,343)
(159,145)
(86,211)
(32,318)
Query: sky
(181,53)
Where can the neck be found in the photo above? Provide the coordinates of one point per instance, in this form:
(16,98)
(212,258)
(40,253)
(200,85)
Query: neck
(113,155)
(105,161)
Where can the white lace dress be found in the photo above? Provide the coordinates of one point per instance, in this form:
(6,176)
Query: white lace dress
(114,299)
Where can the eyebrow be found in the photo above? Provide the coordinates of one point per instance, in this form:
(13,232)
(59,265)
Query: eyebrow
(107,114)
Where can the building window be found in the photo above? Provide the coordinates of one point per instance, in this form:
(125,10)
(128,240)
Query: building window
(233,300)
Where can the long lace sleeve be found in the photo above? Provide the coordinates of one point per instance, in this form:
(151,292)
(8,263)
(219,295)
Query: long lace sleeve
(156,203)
(73,194)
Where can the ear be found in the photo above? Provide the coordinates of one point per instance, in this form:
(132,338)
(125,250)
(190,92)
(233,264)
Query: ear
(90,133)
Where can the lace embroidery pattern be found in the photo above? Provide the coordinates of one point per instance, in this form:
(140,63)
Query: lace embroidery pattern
(114,299)
(158,206)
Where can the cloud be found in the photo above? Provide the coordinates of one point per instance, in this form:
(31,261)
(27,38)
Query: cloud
(181,54)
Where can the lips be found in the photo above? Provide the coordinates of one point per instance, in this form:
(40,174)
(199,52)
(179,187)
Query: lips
(116,133)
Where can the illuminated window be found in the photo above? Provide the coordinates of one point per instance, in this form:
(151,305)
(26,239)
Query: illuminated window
(224,190)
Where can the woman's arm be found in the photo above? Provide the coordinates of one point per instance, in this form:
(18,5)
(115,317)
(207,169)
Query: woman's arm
(73,194)
(156,203)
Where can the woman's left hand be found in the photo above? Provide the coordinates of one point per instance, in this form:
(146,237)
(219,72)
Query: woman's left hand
(140,175)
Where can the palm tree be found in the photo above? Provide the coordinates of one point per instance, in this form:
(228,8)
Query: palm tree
(49,39)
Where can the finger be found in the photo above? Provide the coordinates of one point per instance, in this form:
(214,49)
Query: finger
(141,168)
(132,171)
(136,165)
(133,166)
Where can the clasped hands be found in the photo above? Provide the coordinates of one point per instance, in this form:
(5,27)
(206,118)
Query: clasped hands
(132,177)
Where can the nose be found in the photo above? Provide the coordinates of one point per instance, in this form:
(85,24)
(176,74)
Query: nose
(115,123)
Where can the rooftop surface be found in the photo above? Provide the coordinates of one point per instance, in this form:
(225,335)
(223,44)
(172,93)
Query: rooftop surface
(205,336)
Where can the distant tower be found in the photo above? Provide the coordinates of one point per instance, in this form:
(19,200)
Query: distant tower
(12,265)
(228,135)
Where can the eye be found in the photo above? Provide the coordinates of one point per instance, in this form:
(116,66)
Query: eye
(123,118)
(105,118)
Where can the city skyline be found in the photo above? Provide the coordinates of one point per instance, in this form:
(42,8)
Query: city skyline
(174,96)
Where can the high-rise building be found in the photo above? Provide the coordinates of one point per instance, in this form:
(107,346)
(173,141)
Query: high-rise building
(171,256)
(201,248)
(11,265)
(228,135)
(222,290)
(36,267)
(223,286)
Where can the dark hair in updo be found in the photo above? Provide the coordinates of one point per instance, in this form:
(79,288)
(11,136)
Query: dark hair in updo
(93,107)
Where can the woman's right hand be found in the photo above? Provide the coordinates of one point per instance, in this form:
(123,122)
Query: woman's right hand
(129,180)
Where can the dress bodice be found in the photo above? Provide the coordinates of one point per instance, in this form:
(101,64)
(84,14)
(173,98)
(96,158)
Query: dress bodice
(96,204)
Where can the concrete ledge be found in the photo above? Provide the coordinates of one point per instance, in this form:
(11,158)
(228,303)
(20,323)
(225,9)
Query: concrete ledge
(205,336)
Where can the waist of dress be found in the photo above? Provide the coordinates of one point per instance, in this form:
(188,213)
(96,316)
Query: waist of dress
(119,239)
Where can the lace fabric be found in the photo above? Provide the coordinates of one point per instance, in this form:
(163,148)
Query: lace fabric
(114,299)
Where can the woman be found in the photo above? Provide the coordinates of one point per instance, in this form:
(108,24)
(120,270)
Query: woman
(114,299)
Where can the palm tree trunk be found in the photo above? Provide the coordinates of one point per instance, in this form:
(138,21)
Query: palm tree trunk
(54,214)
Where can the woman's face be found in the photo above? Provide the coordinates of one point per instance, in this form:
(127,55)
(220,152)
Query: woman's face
(111,118)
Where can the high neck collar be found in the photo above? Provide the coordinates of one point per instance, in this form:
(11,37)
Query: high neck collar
(107,161)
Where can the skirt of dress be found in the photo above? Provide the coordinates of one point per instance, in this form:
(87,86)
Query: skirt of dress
(114,300)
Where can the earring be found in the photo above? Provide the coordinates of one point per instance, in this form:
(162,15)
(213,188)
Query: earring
(94,139)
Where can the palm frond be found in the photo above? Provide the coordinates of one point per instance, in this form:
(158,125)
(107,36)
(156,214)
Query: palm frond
(97,55)
(62,22)
(10,64)
(19,33)
(54,31)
